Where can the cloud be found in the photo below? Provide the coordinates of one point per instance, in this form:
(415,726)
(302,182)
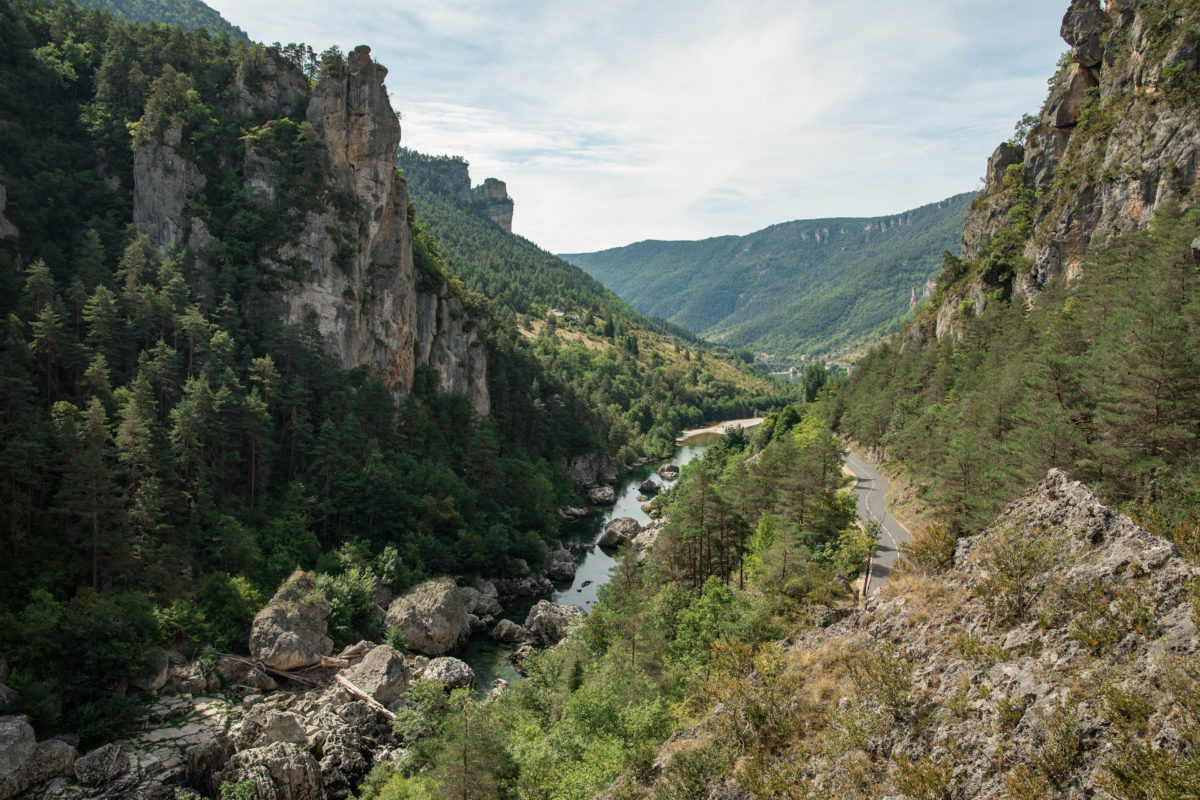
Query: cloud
(622,120)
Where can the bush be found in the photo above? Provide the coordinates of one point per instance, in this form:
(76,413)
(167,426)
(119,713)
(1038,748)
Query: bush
(693,772)
(1061,748)
(931,551)
(882,673)
(923,778)
(1017,562)
(68,654)
(229,605)
(351,599)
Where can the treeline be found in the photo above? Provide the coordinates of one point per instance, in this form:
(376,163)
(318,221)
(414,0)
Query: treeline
(759,530)
(187,14)
(1097,378)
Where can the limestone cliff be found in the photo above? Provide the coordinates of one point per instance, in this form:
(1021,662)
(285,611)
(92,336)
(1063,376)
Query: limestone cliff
(448,340)
(348,271)
(163,182)
(359,288)
(1118,136)
(492,198)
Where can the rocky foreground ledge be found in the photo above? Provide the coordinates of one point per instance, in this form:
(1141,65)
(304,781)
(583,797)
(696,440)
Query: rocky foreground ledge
(300,721)
(1057,657)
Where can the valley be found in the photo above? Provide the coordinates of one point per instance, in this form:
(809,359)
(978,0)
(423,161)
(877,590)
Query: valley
(319,482)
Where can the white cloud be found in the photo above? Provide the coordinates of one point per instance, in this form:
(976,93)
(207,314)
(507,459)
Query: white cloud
(617,120)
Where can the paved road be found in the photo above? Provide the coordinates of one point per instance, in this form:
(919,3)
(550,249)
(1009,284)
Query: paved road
(871,487)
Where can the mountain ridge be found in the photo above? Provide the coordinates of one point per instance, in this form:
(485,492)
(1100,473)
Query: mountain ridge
(186,14)
(780,288)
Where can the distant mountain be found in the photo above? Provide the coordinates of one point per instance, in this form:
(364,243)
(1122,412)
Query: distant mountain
(809,286)
(186,14)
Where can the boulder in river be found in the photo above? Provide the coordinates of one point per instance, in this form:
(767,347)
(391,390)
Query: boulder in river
(548,622)
(450,672)
(527,585)
(567,513)
(383,674)
(508,632)
(481,598)
(620,531)
(648,486)
(560,564)
(290,632)
(668,471)
(433,618)
(519,655)
(603,495)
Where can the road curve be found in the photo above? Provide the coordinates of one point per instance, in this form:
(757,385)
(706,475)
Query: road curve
(871,487)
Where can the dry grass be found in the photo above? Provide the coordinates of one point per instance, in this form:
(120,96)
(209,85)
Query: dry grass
(924,596)
(566,335)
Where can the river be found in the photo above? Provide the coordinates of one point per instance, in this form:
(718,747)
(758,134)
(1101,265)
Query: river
(593,565)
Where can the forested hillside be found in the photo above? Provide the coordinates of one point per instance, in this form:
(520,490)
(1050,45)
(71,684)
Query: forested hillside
(805,287)
(640,378)
(186,14)
(1071,347)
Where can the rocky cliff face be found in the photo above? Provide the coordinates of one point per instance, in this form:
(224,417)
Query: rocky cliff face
(6,227)
(163,182)
(1118,136)
(492,198)
(357,285)
(448,340)
(359,288)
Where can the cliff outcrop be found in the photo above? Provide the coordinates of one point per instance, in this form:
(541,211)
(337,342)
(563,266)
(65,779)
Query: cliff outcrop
(163,183)
(492,198)
(347,271)
(1118,136)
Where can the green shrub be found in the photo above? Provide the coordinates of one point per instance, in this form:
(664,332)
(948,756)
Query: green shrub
(693,772)
(229,605)
(351,599)
(1016,561)
(931,551)
(923,778)
(882,673)
(1060,750)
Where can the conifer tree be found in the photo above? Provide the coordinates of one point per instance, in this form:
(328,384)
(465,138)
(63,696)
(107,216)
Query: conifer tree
(90,494)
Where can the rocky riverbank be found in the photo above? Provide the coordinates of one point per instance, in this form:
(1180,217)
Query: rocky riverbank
(298,720)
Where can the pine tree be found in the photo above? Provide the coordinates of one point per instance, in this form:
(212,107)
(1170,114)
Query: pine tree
(90,494)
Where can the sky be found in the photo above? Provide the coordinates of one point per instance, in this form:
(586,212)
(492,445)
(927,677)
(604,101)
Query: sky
(614,121)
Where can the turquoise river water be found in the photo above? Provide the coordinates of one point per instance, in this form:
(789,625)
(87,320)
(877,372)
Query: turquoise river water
(593,565)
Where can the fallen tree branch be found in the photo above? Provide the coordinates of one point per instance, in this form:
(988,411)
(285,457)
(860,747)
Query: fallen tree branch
(361,695)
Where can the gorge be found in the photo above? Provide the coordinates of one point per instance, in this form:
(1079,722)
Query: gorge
(300,442)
